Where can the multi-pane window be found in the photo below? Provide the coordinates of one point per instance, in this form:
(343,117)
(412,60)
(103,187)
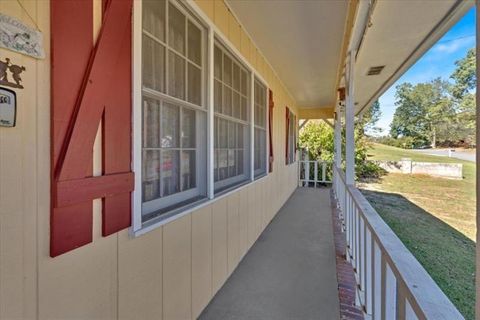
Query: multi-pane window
(231,127)
(174,113)
(260,133)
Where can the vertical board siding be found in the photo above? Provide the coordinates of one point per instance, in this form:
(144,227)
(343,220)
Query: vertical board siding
(169,273)
(233,233)
(201,259)
(140,276)
(219,247)
(177,266)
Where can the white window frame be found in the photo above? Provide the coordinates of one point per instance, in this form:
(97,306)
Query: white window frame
(213,33)
(233,182)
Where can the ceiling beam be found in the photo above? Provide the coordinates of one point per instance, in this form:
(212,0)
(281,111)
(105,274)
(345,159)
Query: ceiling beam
(315,113)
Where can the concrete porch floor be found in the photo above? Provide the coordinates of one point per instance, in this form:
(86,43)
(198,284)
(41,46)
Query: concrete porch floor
(290,271)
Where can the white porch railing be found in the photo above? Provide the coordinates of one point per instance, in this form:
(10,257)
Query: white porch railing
(391,283)
(314,172)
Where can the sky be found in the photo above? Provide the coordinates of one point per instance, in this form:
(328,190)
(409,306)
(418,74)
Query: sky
(439,61)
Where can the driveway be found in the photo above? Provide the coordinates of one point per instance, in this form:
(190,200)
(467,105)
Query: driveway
(467,156)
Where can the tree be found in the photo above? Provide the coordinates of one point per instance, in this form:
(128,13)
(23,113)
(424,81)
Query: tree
(464,75)
(465,82)
(424,112)
(318,139)
(367,121)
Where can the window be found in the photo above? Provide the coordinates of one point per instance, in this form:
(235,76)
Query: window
(171,137)
(231,134)
(291,137)
(260,134)
(173,109)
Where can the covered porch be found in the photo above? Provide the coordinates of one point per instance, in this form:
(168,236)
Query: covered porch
(290,272)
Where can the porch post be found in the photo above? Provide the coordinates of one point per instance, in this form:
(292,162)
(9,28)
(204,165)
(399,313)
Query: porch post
(477,307)
(338,136)
(349,122)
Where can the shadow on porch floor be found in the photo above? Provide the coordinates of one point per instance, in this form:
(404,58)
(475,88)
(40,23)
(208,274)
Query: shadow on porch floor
(290,272)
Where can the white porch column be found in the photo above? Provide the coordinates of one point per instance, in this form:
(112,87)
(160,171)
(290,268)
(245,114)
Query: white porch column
(349,122)
(338,136)
(477,307)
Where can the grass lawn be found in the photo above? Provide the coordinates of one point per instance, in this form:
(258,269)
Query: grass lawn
(434,218)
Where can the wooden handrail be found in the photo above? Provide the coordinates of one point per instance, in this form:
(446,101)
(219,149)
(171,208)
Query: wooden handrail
(392,284)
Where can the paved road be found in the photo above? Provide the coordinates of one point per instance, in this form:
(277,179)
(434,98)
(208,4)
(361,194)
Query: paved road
(444,152)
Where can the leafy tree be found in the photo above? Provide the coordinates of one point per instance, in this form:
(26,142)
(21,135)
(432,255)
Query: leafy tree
(464,75)
(465,81)
(318,139)
(367,121)
(424,112)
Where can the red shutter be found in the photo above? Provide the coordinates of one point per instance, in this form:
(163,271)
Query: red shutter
(90,84)
(287,127)
(270,130)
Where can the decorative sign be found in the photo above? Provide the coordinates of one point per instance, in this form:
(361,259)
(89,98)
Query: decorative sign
(6,70)
(8,107)
(17,36)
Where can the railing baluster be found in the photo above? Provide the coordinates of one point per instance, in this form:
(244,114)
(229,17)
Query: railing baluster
(385,270)
(377,284)
(315,173)
(390,287)
(324,172)
(361,255)
(409,313)
(368,270)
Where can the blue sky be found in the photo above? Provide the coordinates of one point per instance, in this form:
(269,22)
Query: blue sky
(439,61)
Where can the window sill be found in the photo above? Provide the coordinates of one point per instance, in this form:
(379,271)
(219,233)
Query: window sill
(183,211)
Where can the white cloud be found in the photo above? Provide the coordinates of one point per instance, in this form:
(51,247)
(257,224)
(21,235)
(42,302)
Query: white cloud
(454,45)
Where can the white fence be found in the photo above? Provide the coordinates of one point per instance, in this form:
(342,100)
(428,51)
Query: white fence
(313,173)
(391,282)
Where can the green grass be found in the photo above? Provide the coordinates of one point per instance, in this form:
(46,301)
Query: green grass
(434,218)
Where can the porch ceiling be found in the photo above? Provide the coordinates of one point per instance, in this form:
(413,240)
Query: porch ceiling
(399,34)
(302,40)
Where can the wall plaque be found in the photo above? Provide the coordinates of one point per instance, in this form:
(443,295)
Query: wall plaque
(17,36)
(8,107)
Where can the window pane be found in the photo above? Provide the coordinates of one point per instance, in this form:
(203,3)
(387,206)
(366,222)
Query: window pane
(231,163)
(236,105)
(151,123)
(236,77)
(188,170)
(231,135)
(194,43)
(244,82)
(153,64)
(227,101)
(170,172)
(150,175)
(222,164)
(223,133)
(176,29)
(227,70)
(176,75)
(170,126)
(218,96)
(218,63)
(244,108)
(194,84)
(239,154)
(188,128)
(260,150)
(240,136)
(154,18)
(216,166)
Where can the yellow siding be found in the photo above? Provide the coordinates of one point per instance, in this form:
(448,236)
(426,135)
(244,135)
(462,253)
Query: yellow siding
(171,272)
(177,266)
(201,259)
